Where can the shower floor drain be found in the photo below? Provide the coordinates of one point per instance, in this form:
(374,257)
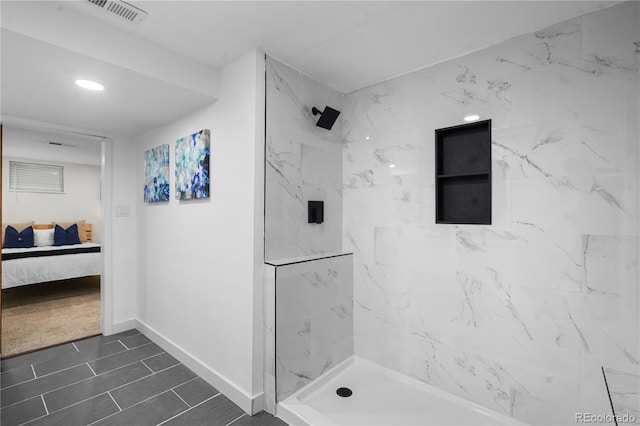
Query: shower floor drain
(344,392)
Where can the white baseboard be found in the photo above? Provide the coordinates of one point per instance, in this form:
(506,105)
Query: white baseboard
(249,404)
(122,326)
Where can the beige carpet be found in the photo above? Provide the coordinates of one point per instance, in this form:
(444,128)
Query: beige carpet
(41,315)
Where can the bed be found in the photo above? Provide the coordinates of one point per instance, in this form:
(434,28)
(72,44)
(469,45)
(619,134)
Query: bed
(45,263)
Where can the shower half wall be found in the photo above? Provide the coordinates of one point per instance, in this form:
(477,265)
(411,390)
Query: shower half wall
(308,321)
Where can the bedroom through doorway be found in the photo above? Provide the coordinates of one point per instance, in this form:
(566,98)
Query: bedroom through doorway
(51,235)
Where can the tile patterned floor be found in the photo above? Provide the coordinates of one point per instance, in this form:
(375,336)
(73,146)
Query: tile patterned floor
(123,379)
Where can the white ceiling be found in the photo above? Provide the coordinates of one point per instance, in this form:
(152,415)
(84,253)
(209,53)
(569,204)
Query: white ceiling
(346,44)
(47,91)
(166,66)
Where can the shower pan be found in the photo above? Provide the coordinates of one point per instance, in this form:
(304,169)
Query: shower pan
(380,396)
(312,376)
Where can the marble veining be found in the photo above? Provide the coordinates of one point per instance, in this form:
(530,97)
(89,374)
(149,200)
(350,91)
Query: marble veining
(519,315)
(303,162)
(624,390)
(313,320)
(531,162)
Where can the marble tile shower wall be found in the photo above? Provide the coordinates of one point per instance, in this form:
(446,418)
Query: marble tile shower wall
(518,315)
(303,162)
(313,320)
(269,330)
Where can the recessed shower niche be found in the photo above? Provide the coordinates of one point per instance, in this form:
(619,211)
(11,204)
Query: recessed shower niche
(463,174)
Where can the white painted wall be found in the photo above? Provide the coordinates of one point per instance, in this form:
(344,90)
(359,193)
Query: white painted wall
(80,200)
(200,277)
(120,234)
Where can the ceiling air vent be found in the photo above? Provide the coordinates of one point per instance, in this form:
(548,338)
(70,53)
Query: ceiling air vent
(62,144)
(121,8)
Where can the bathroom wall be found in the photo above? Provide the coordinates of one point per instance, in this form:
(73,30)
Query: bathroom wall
(122,264)
(200,281)
(303,162)
(518,315)
(313,319)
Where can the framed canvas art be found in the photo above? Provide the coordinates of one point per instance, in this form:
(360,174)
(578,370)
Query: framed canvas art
(192,166)
(156,174)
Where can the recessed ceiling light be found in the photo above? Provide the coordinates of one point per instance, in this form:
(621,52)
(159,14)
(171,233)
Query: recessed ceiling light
(367,137)
(392,165)
(472,117)
(90,85)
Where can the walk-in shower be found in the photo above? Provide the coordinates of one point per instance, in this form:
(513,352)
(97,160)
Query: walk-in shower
(516,319)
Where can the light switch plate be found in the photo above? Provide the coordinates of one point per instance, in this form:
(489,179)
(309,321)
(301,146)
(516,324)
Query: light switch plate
(122,211)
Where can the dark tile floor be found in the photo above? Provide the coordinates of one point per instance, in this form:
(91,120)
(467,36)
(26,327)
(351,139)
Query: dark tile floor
(124,379)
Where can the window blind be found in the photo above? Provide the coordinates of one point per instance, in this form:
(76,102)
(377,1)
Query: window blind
(36,177)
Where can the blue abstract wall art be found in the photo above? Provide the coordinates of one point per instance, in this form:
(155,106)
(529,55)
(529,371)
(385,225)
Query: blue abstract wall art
(156,174)
(192,166)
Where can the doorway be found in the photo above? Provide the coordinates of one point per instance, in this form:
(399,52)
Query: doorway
(45,302)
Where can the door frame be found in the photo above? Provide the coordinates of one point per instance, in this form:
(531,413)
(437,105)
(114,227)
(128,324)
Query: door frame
(106,191)
(106,282)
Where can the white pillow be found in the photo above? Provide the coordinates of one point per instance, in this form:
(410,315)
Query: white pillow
(43,237)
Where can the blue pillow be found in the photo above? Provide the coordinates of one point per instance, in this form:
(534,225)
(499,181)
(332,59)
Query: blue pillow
(15,239)
(63,237)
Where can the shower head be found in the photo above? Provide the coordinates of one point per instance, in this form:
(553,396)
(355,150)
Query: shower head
(327,117)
